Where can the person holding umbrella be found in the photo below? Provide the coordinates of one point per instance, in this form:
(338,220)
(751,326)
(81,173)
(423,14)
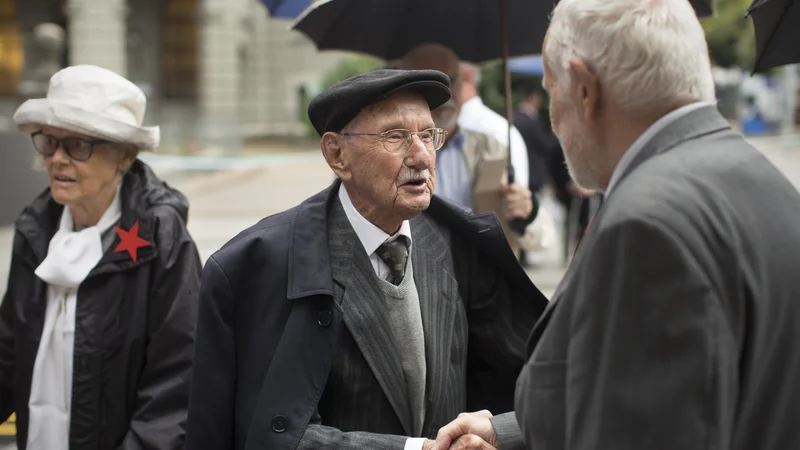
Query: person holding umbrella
(464,151)
(676,326)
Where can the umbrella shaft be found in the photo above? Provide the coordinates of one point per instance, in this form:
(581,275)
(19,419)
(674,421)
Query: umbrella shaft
(506,82)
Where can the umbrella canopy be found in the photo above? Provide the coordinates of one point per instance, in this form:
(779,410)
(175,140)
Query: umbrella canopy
(286,9)
(388,29)
(529,65)
(777,33)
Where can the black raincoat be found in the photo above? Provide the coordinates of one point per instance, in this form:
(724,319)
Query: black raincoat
(134,325)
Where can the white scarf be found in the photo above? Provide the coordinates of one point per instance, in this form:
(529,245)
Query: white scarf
(70,257)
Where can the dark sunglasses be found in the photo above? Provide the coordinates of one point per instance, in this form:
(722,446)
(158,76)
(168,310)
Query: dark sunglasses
(76,148)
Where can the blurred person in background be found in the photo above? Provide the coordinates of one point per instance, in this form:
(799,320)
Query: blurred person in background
(459,161)
(97,324)
(476,116)
(539,141)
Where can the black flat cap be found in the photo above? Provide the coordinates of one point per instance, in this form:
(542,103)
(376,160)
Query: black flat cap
(333,109)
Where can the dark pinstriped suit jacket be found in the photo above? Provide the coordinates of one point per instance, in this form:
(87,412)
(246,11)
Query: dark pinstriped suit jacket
(366,389)
(364,404)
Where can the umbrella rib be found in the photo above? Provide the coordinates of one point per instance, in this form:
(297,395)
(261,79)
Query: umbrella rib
(330,25)
(772,34)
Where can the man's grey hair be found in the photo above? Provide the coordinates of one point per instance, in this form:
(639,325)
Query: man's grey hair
(646,53)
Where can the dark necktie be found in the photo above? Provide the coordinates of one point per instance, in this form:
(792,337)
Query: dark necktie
(589,225)
(394,252)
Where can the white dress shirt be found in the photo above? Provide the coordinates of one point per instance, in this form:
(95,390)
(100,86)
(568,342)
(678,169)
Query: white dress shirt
(476,116)
(642,141)
(371,238)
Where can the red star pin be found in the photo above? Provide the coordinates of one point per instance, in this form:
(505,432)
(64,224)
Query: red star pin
(130,241)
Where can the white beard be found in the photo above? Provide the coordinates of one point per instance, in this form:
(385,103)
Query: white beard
(580,150)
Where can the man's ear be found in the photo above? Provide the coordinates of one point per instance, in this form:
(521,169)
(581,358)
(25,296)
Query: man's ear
(585,89)
(333,151)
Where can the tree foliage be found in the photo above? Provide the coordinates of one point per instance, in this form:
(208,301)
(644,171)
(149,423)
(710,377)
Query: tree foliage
(346,68)
(350,67)
(730,36)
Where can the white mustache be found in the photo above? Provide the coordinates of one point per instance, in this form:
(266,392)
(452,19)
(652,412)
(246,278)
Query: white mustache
(411,175)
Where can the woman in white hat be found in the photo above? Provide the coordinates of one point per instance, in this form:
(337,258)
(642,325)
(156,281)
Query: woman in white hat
(97,325)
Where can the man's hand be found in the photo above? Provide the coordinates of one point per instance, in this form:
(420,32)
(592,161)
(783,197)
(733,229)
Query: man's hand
(465,442)
(467,426)
(518,201)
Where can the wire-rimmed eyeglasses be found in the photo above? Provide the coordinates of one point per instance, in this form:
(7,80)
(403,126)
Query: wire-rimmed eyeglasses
(399,140)
(76,148)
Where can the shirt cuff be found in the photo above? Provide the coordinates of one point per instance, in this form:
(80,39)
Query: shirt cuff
(414,443)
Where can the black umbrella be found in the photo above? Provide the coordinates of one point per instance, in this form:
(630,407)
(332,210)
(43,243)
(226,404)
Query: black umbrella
(390,28)
(476,30)
(777,29)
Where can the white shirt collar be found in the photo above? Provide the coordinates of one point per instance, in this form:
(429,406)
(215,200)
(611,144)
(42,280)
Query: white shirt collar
(473,101)
(642,141)
(471,112)
(371,237)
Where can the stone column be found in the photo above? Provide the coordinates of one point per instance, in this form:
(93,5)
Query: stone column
(97,33)
(220,76)
(145,28)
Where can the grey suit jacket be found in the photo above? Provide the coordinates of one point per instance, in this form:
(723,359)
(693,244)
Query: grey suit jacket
(676,325)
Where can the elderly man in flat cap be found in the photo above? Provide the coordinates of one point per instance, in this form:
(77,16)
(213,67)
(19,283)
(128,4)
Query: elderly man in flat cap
(373,313)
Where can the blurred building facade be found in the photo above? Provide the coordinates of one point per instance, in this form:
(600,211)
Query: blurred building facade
(216,72)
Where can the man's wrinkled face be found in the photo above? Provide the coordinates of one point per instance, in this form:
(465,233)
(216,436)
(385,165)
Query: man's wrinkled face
(392,184)
(579,147)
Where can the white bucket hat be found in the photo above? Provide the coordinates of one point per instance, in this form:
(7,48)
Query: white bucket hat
(92,101)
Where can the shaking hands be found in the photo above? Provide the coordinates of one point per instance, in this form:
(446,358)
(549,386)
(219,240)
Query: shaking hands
(470,431)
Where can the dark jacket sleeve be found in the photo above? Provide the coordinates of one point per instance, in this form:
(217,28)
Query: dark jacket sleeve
(211,406)
(318,436)
(159,420)
(500,318)
(8,355)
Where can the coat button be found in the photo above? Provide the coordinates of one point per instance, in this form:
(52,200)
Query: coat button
(324,318)
(279,424)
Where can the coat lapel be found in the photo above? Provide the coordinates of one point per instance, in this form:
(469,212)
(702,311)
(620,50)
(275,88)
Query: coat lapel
(438,302)
(696,124)
(364,316)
